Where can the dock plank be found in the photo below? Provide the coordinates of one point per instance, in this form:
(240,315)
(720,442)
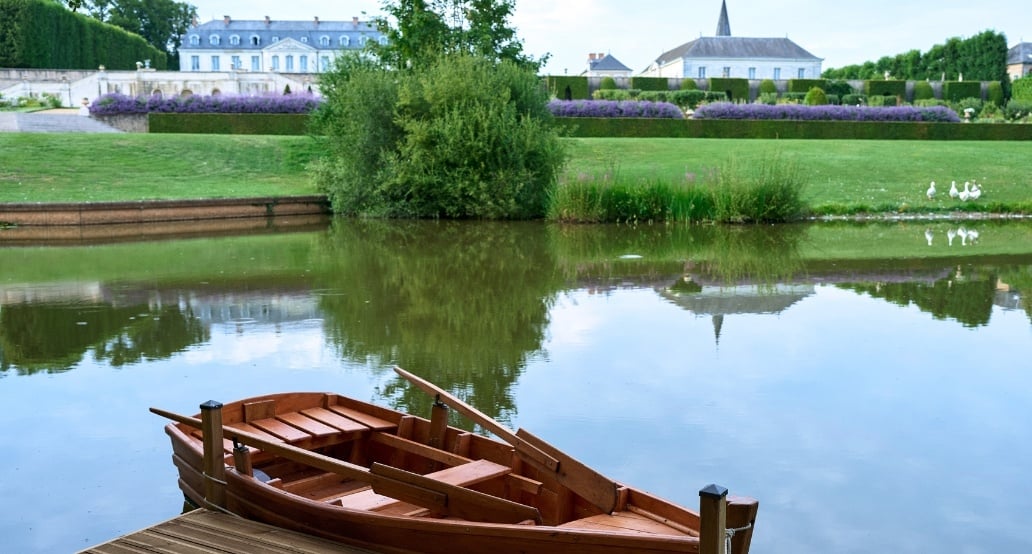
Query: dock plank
(205,532)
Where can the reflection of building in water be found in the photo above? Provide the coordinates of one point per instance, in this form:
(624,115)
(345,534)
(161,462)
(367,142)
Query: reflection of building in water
(717,302)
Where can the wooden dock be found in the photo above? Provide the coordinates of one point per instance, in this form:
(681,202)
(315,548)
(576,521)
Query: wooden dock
(203,531)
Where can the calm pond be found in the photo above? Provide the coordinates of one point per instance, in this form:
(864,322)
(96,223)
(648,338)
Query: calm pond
(869,384)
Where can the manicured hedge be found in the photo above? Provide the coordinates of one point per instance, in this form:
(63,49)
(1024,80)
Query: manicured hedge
(228,124)
(885,88)
(953,91)
(578,87)
(650,83)
(804,85)
(736,89)
(46,35)
(786,129)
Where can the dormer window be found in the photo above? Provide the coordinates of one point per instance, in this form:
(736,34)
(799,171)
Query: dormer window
(256,40)
(195,40)
(275,39)
(324,40)
(213,40)
(344,40)
(304,40)
(234,40)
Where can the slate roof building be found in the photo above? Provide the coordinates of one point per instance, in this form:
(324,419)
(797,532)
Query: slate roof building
(271,46)
(1019,60)
(724,55)
(605,65)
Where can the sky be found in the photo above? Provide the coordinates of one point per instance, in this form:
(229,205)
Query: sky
(637,32)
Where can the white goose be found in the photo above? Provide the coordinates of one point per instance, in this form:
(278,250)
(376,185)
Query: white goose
(966,193)
(930,193)
(950,235)
(929,236)
(975,192)
(953,190)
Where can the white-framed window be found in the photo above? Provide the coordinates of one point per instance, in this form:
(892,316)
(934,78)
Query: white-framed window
(256,40)
(344,40)
(214,40)
(802,73)
(256,63)
(324,64)
(290,63)
(752,72)
(702,72)
(234,40)
(214,63)
(235,62)
(195,63)
(275,63)
(195,40)
(383,40)
(303,61)
(324,40)
(726,72)
(362,40)
(777,73)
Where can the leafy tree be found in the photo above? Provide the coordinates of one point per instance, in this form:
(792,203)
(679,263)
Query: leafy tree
(160,22)
(422,30)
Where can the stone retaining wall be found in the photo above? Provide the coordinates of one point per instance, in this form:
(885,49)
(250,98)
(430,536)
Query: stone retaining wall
(99,213)
(130,123)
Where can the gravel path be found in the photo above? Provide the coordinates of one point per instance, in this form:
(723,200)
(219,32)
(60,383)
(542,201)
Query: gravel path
(52,121)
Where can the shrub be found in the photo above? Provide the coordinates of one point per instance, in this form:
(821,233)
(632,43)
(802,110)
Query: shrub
(607,83)
(689,84)
(995,93)
(769,98)
(1018,110)
(650,83)
(805,85)
(923,91)
(772,192)
(882,101)
(816,97)
(568,87)
(614,108)
(767,86)
(954,91)
(727,110)
(463,137)
(962,106)
(736,89)
(1021,89)
(853,100)
(839,87)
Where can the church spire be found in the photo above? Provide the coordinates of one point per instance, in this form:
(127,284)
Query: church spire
(723,25)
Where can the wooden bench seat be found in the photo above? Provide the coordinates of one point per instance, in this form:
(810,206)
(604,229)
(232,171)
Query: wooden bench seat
(628,522)
(464,475)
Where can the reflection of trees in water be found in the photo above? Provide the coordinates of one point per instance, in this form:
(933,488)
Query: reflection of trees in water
(54,337)
(966,295)
(460,304)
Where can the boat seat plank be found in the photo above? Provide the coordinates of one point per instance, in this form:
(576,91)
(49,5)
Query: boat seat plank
(369,421)
(464,475)
(334,420)
(279,429)
(307,424)
(248,428)
(420,449)
(624,522)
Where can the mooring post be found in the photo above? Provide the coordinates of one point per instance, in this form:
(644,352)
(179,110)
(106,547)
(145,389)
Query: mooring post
(438,429)
(214,459)
(712,519)
(741,517)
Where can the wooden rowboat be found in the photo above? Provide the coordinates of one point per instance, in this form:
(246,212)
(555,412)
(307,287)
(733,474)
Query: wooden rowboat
(380,479)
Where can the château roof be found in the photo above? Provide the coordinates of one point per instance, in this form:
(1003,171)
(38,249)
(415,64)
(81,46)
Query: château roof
(608,63)
(1021,53)
(726,47)
(307,31)
(723,24)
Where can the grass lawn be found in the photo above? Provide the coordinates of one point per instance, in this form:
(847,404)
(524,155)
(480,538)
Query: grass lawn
(841,176)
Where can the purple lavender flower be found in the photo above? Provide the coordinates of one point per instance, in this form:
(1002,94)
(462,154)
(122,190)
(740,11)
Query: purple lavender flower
(119,104)
(728,110)
(614,108)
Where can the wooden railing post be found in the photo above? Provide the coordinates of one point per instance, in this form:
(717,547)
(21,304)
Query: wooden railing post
(712,520)
(214,459)
(242,459)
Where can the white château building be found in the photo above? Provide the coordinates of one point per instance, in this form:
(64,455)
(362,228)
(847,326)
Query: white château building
(726,56)
(271,46)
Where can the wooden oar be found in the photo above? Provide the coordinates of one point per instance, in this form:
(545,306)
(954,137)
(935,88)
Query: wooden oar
(581,479)
(422,491)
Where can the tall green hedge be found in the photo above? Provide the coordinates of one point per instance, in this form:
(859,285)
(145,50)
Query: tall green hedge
(43,34)
(804,85)
(1021,89)
(650,83)
(953,91)
(228,123)
(736,88)
(885,88)
(578,87)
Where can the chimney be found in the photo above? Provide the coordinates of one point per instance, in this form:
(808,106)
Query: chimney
(591,56)
(316,21)
(267,22)
(354,21)
(193,21)
(600,55)
(226,19)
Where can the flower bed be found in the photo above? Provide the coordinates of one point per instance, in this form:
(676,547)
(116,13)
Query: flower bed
(727,110)
(614,108)
(120,104)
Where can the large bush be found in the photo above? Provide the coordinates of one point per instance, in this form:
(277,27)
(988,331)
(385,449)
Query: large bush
(1021,89)
(465,137)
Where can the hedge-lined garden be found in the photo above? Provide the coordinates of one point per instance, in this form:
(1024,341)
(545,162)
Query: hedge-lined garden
(46,35)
